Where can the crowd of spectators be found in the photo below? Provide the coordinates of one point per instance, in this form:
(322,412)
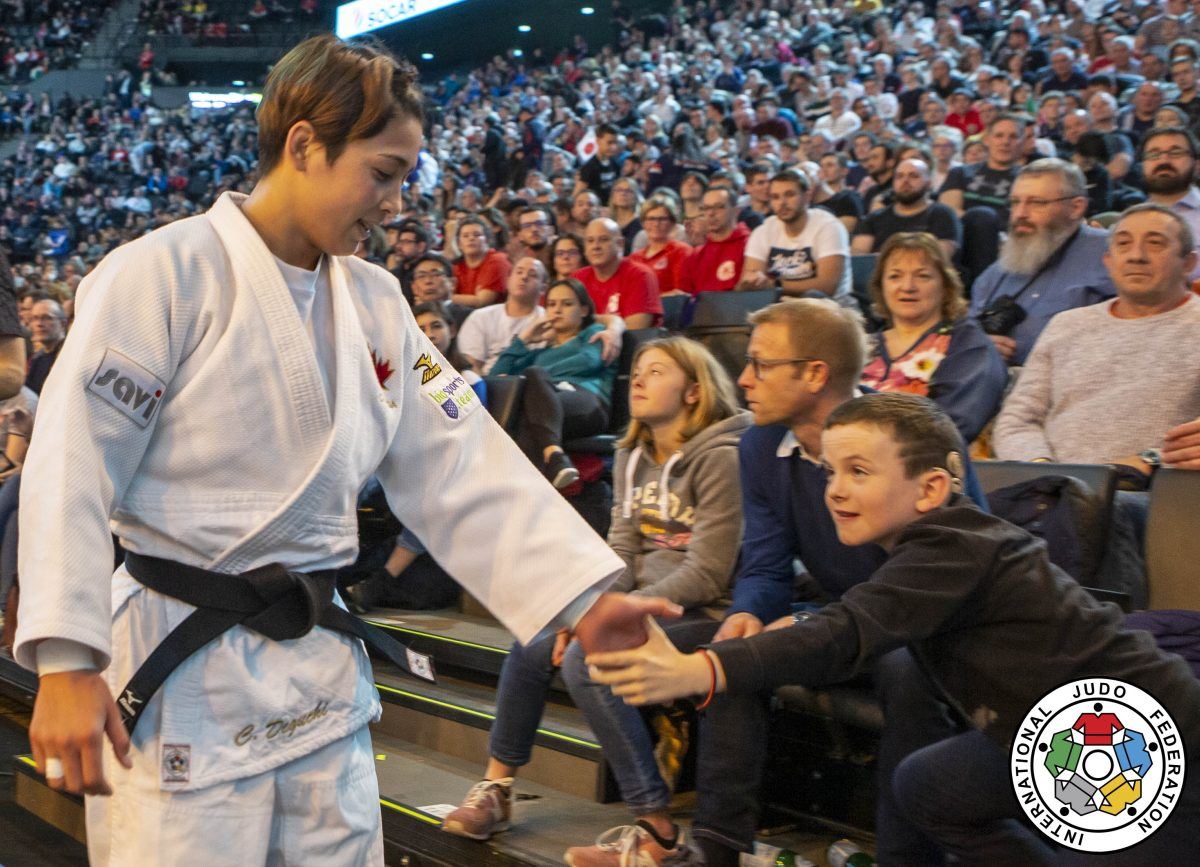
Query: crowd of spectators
(199,19)
(37,36)
(718,146)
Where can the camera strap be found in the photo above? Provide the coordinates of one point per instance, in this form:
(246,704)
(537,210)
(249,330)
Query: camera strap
(1053,260)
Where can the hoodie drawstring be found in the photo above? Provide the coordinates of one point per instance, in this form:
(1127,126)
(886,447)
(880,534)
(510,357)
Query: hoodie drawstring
(664,486)
(630,470)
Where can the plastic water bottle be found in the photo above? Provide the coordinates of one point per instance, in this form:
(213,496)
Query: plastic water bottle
(846,853)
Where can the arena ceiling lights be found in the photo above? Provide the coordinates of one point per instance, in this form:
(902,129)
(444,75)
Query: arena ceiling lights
(363,16)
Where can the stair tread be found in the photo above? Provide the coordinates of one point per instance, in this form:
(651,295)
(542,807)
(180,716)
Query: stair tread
(561,720)
(544,825)
(446,625)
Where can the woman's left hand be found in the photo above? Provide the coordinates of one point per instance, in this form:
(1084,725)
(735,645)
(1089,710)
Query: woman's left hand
(611,347)
(653,673)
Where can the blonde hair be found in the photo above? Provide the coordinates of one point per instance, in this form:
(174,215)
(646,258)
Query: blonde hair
(954,305)
(821,329)
(347,91)
(717,397)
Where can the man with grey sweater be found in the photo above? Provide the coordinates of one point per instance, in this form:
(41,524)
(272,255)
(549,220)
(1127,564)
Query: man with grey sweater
(1105,383)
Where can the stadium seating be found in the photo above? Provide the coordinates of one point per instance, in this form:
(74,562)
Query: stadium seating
(1172,543)
(719,321)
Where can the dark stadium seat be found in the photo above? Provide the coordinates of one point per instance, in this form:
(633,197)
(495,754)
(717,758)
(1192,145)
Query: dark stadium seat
(674,311)
(861,268)
(719,321)
(1172,543)
(729,309)
(504,400)
(1099,479)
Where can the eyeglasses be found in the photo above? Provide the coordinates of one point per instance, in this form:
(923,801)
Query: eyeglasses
(533,224)
(761,364)
(1172,154)
(1038,204)
(43,318)
(571,252)
(657,220)
(432,275)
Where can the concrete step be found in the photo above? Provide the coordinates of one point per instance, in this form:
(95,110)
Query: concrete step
(455,716)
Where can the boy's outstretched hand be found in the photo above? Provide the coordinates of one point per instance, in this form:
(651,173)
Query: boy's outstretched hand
(616,621)
(655,672)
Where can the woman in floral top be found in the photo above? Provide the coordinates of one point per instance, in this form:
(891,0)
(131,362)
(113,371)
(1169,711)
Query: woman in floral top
(930,347)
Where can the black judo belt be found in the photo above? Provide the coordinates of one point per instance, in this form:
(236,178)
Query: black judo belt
(271,601)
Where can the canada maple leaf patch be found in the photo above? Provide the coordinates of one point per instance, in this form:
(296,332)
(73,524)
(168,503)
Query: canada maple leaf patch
(383,368)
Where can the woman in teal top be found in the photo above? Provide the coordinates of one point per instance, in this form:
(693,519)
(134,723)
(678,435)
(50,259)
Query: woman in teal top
(568,386)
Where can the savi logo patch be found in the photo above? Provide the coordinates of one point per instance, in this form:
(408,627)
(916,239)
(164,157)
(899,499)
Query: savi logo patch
(126,385)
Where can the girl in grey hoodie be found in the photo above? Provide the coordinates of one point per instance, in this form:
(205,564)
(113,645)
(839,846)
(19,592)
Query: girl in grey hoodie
(677,516)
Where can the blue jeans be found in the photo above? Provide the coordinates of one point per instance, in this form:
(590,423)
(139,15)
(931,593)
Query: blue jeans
(959,792)
(733,752)
(525,682)
(619,727)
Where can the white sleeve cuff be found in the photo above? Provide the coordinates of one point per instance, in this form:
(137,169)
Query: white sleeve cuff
(56,655)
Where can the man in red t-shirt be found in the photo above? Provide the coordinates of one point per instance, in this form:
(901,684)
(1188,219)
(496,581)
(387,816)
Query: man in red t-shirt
(716,265)
(618,286)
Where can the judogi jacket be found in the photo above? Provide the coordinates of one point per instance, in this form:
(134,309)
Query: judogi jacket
(187,415)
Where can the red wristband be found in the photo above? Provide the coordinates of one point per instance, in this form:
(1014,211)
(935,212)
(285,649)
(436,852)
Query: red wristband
(712,689)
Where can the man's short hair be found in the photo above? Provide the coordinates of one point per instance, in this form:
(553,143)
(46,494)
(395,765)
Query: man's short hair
(447,268)
(606,129)
(415,228)
(757,169)
(731,197)
(925,436)
(1158,131)
(1073,182)
(1010,117)
(1187,239)
(822,329)
(793,176)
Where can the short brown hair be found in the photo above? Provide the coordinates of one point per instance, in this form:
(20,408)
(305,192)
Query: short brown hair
(954,305)
(821,329)
(347,91)
(926,436)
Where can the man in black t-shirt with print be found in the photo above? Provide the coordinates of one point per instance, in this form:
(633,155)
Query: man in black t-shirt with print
(599,173)
(911,211)
(979,193)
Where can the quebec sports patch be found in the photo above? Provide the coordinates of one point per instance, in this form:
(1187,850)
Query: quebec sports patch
(128,387)
(452,394)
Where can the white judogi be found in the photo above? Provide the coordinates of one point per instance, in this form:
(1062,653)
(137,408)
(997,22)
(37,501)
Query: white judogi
(187,407)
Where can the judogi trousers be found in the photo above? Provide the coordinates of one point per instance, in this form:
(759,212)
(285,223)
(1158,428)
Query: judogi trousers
(320,809)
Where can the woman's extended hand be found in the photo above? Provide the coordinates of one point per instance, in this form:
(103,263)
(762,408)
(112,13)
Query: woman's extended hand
(653,673)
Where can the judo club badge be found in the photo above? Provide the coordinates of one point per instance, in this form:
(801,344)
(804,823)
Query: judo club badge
(1098,765)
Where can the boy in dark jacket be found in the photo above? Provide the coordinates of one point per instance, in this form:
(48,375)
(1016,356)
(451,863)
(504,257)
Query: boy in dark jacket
(996,628)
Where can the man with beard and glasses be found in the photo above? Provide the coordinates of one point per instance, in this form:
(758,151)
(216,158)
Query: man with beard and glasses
(1169,170)
(911,211)
(1050,262)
